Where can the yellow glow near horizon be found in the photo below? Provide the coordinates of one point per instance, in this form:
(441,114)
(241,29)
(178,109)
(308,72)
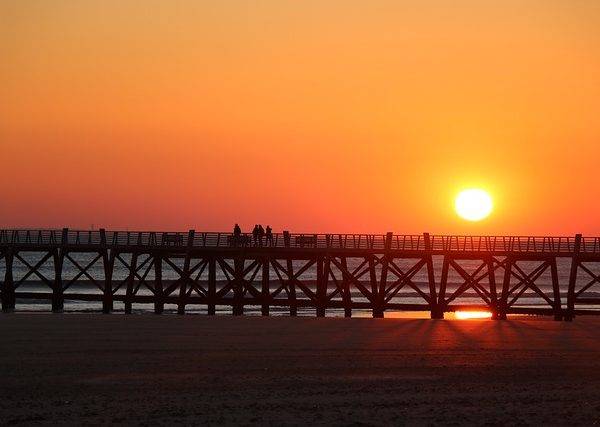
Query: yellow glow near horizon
(465,315)
(473,204)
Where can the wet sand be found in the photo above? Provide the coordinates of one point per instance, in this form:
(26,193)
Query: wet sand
(156,370)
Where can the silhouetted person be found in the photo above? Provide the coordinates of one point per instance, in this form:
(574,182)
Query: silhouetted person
(255,234)
(269,235)
(237,234)
(261,234)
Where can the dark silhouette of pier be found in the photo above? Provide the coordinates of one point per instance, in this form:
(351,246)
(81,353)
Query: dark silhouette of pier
(274,274)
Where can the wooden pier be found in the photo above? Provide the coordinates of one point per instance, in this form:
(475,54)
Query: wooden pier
(353,271)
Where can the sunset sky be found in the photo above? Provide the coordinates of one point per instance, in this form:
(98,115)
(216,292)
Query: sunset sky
(324,116)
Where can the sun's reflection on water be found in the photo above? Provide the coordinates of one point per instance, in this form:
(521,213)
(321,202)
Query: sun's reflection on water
(466,315)
(457,315)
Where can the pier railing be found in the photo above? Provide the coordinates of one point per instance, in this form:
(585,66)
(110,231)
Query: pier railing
(390,241)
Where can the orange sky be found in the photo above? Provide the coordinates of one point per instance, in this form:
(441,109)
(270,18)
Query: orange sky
(346,116)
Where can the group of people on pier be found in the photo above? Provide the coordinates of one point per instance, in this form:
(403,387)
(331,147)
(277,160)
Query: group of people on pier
(260,236)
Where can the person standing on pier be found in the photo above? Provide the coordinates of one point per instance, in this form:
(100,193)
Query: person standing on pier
(269,236)
(261,234)
(255,235)
(237,234)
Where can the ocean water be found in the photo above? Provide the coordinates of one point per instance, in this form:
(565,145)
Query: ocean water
(82,284)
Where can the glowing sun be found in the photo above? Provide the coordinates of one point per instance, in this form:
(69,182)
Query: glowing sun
(473,204)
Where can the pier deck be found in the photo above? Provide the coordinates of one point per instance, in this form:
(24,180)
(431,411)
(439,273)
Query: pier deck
(319,271)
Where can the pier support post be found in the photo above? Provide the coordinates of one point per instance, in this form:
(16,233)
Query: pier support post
(383,278)
(489,262)
(570,314)
(58,301)
(321,288)
(238,290)
(159,302)
(376,297)
(8,288)
(503,303)
(558,312)
(291,288)
(212,285)
(265,290)
(346,296)
(57,287)
(326,275)
(107,264)
(130,283)
(385,259)
(436,307)
(185,276)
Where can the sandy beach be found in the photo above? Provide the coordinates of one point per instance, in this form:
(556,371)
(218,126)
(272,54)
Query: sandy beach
(157,370)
